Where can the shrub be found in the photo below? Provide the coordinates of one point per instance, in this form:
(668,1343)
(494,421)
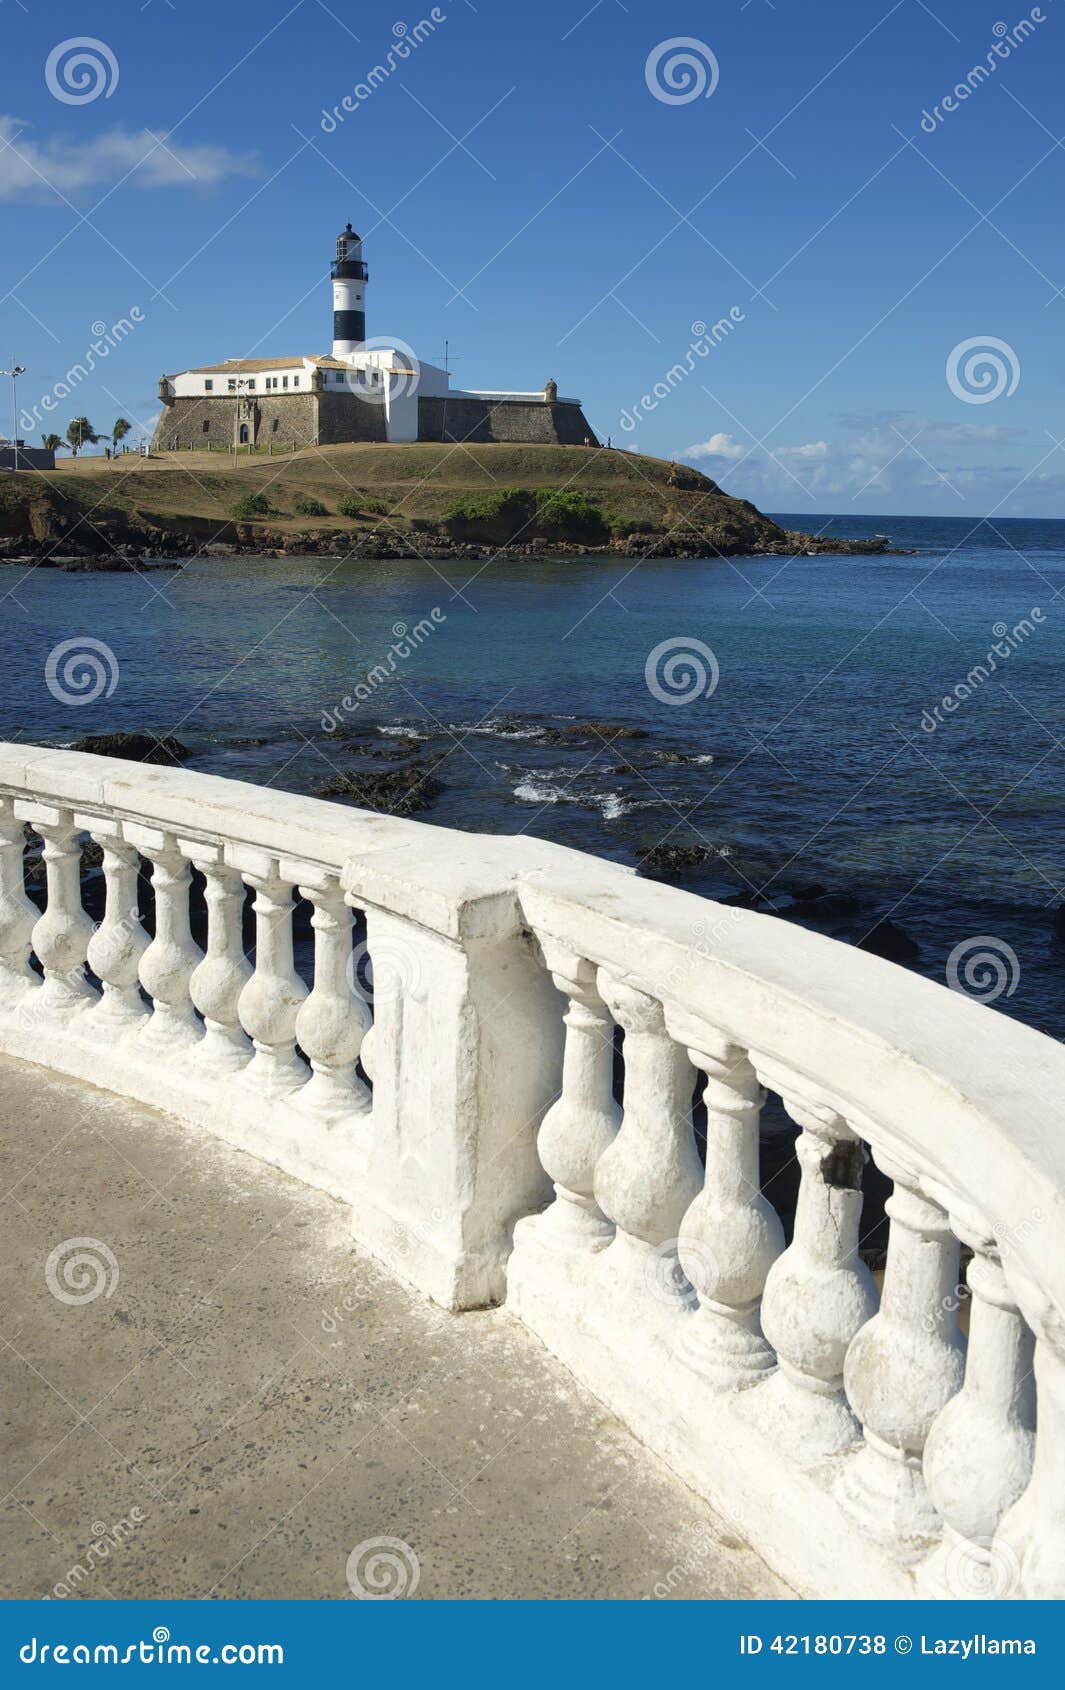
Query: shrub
(375,507)
(349,505)
(307,505)
(623,526)
(252,504)
(494,518)
(570,516)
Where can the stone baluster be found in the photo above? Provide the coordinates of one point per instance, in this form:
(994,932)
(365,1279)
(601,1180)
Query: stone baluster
(216,983)
(819,1293)
(978,1454)
(61,935)
(1031,1538)
(650,1174)
(18,913)
(903,1367)
(367,1049)
(582,1123)
(117,948)
(333,1020)
(270,1001)
(359,987)
(730,1236)
(168,963)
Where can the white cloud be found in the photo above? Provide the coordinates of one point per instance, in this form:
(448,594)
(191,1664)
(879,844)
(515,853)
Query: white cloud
(718,446)
(59,166)
(889,457)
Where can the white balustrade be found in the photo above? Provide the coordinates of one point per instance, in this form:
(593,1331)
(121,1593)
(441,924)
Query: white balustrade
(582,1124)
(855,1445)
(730,1236)
(819,1293)
(167,964)
(333,1020)
(217,981)
(904,1366)
(116,949)
(61,935)
(1028,1552)
(649,1175)
(270,1000)
(978,1454)
(18,913)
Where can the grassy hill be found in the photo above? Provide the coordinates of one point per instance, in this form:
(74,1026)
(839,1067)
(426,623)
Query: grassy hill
(412,490)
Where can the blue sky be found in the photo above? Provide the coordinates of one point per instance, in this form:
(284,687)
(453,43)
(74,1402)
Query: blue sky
(525,191)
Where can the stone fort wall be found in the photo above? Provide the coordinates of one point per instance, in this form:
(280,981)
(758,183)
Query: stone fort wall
(214,421)
(331,419)
(532,422)
(341,418)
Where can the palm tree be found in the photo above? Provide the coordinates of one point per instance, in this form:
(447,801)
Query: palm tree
(119,432)
(52,442)
(81,433)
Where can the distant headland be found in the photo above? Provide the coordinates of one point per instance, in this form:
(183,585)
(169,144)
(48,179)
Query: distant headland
(421,499)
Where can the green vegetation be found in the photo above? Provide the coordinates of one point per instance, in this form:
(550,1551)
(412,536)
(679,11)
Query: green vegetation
(504,492)
(530,514)
(52,442)
(80,432)
(493,517)
(308,505)
(570,516)
(252,505)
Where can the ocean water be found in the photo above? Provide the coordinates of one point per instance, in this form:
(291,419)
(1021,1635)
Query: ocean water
(809,750)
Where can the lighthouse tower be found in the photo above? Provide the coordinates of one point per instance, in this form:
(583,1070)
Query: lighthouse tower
(350,276)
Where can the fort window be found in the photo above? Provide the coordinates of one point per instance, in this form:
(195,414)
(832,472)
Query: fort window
(232,384)
(243,434)
(251,384)
(208,386)
(276,424)
(284,381)
(206,426)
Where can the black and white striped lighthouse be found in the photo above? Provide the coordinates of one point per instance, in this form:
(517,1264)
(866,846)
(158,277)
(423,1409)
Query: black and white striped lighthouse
(350,276)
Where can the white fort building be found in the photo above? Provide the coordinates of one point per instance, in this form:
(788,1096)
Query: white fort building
(372,390)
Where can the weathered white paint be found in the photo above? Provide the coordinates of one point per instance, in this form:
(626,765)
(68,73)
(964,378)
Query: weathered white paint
(855,1446)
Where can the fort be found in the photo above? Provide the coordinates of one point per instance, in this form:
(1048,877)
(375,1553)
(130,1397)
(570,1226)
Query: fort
(364,390)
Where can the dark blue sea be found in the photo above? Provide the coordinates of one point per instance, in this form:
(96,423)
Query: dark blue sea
(814,777)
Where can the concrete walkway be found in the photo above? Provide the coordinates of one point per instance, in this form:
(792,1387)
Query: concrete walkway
(193,1411)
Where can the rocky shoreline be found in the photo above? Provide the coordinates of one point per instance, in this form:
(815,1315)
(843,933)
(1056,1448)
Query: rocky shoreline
(167,549)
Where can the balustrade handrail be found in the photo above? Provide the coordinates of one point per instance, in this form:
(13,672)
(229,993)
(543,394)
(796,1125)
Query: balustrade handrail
(962,1093)
(932,1469)
(965,1096)
(464,866)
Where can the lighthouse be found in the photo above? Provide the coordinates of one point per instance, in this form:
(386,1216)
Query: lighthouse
(364,391)
(350,276)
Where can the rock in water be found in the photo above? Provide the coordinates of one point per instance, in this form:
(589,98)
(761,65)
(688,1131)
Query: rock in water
(139,748)
(674,859)
(393,792)
(890,942)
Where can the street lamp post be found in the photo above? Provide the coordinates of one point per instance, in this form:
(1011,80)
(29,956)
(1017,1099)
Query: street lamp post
(14,372)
